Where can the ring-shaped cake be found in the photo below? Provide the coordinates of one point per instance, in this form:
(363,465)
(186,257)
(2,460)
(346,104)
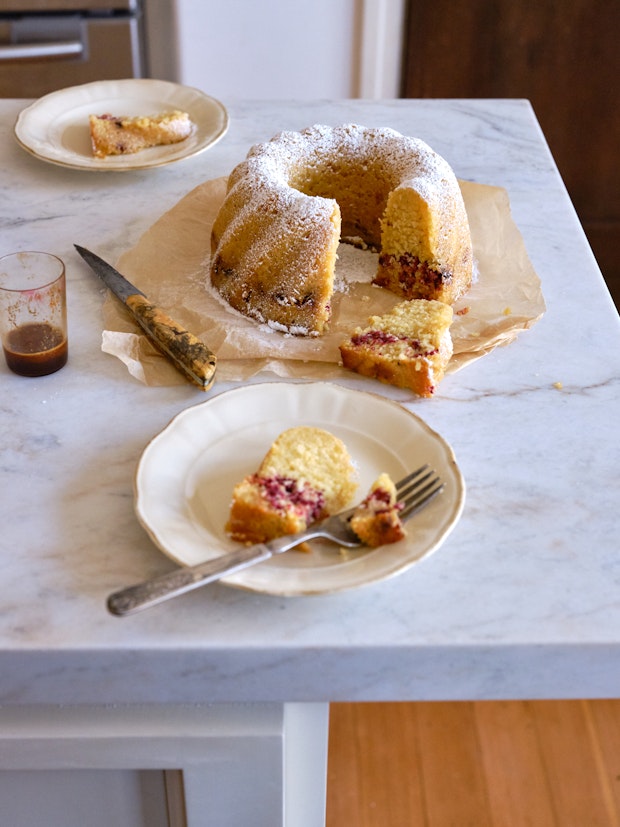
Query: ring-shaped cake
(290,202)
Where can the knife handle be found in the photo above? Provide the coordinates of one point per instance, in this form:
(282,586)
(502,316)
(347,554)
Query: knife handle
(191,356)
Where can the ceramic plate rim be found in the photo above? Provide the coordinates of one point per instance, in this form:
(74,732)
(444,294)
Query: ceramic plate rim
(57,112)
(164,510)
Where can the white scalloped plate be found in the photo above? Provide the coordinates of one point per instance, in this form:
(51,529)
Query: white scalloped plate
(55,127)
(186,475)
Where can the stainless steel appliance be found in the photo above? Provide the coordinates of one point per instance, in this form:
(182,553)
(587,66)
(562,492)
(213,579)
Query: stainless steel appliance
(50,44)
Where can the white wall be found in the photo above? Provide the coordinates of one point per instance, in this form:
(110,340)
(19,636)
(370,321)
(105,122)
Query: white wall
(295,49)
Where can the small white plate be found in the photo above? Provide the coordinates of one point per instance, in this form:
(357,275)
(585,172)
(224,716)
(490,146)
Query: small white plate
(186,475)
(55,127)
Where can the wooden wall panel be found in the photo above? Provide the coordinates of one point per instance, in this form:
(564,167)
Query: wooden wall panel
(563,56)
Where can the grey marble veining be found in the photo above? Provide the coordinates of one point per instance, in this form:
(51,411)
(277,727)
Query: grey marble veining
(523,599)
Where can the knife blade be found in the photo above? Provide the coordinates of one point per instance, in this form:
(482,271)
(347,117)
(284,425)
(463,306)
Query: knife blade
(188,354)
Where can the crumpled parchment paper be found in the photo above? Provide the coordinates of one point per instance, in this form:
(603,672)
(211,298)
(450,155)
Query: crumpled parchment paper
(170,265)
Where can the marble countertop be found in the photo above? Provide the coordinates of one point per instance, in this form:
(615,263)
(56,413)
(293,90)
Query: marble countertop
(522,600)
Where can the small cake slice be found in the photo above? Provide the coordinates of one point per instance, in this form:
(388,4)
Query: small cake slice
(408,347)
(306,475)
(377,518)
(111,135)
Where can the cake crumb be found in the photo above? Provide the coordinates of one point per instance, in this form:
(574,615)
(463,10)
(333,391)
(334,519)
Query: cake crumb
(507,311)
(462,312)
(558,385)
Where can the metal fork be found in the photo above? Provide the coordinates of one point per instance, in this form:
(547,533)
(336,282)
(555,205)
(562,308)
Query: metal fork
(414,492)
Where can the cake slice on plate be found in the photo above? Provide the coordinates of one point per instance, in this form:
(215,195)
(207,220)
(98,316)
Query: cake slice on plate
(306,475)
(111,135)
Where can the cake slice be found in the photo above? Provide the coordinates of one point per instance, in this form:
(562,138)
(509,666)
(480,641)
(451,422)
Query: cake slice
(111,135)
(409,347)
(306,475)
(376,520)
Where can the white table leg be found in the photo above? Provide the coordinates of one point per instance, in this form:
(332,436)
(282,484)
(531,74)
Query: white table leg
(259,780)
(305,764)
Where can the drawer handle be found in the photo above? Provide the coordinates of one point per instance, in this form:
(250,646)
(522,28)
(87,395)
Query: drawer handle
(42,51)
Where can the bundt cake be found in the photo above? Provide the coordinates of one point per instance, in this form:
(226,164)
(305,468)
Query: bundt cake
(111,135)
(306,475)
(376,520)
(290,201)
(408,347)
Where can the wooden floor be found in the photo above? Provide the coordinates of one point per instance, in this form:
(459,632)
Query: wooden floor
(482,764)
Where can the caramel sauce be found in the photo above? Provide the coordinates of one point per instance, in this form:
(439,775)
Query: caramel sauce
(35,349)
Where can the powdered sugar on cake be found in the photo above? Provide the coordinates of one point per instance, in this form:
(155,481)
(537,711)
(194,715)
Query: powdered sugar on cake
(275,239)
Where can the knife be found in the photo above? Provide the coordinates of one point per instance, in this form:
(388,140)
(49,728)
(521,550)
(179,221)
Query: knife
(188,354)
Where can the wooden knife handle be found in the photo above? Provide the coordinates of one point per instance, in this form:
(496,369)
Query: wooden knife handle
(189,355)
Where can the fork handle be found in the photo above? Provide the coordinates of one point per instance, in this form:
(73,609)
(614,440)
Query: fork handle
(151,592)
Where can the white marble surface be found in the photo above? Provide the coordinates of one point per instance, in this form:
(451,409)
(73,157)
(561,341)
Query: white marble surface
(523,600)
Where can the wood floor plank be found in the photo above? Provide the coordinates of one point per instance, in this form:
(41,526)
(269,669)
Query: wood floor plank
(603,717)
(373,768)
(577,785)
(518,786)
(396,794)
(343,770)
(454,783)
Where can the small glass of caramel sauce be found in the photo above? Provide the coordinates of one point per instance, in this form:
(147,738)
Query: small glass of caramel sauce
(33,313)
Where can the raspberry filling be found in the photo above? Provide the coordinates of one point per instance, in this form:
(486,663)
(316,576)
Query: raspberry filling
(379,501)
(377,338)
(283,493)
(374,337)
(416,277)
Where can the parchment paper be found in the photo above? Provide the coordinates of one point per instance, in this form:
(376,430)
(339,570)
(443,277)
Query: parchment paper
(170,265)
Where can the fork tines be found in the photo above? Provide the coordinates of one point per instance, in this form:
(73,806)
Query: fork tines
(417,489)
